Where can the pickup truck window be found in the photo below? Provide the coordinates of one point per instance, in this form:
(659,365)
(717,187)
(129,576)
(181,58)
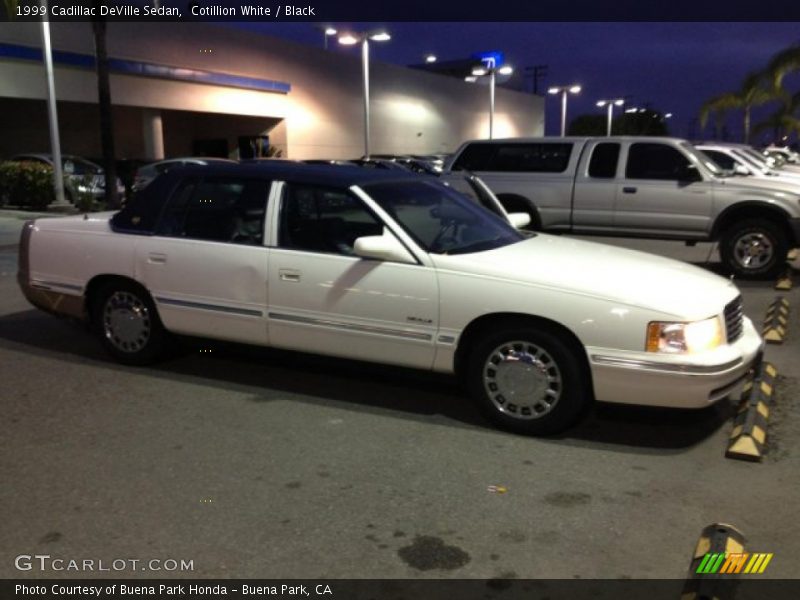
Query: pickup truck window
(323,219)
(217,210)
(515,158)
(603,164)
(655,161)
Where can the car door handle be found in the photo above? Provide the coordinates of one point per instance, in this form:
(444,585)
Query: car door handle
(629,190)
(156,258)
(289,275)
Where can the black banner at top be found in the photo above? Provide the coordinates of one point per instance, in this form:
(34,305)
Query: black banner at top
(399,10)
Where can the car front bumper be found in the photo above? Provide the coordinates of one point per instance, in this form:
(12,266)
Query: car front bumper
(679,382)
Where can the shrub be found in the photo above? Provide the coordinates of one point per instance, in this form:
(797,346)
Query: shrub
(26,184)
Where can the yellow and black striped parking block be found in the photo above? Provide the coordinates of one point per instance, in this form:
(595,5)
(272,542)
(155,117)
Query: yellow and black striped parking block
(776,321)
(718,539)
(793,255)
(784,282)
(749,435)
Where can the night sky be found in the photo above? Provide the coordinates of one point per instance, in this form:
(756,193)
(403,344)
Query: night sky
(672,66)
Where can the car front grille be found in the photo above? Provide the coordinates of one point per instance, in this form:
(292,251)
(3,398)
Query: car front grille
(734,319)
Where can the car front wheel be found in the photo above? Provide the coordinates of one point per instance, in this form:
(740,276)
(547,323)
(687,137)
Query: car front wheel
(126,319)
(528,380)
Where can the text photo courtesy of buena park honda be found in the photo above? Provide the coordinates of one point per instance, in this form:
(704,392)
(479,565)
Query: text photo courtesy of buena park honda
(297,304)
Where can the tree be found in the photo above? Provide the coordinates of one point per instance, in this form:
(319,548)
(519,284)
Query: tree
(785,118)
(104,103)
(644,122)
(588,125)
(754,92)
(782,64)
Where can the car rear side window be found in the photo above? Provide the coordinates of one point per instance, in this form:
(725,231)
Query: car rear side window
(515,158)
(217,210)
(603,164)
(655,161)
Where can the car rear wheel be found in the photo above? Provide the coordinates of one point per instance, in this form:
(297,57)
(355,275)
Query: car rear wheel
(755,249)
(528,380)
(128,324)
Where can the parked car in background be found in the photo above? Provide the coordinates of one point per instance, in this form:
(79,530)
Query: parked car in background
(81,176)
(784,152)
(731,159)
(654,187)
(393,268)
(146,174)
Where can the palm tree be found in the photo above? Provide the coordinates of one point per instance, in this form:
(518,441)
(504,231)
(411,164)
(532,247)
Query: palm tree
(753,93)
(782,64)
(786,119)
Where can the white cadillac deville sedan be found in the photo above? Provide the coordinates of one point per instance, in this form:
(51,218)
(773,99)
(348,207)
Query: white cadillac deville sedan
(396,269)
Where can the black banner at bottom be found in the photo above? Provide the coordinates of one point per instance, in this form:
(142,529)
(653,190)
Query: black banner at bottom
(396,589)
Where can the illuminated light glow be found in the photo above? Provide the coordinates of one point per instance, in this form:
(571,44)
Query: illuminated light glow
(330,31)
(470,79)
(601,103)
(507,70)
(575,89)
(619,102)
(381,36)
(348,39)
(430,58)
(553,90)
(479,71)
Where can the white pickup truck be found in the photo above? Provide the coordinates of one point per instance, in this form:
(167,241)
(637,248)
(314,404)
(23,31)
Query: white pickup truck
(654,187)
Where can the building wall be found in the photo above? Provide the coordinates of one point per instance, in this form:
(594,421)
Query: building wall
(412,111)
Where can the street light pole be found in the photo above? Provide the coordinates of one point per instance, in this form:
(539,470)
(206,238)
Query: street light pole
(491,103)
(365,74)
(350,39)
(52,113)
(563,90)
(610,104)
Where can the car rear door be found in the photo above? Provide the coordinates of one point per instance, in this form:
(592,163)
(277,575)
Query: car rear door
(206,265)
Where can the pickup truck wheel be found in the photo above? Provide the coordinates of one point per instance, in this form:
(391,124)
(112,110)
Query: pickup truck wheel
(128,324)
(755,249)
(527,380)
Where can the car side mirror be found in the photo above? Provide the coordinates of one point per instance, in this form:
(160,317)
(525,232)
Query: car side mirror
(383,247)
(689,174)
(740,169)
(519,220)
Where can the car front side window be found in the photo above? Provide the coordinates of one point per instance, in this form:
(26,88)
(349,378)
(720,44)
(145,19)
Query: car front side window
(323,219)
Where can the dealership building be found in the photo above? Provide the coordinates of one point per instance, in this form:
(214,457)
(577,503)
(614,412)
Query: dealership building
(194,88)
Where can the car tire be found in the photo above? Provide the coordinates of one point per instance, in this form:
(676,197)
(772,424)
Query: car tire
(528,380)
(126,319)
(755,249)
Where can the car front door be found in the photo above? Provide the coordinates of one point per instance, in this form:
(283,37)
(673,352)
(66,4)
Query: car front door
(662,193)
(596,184)
(325,299)
(206,267)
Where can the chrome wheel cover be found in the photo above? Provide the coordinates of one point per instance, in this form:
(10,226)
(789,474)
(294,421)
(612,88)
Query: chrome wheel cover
(126,322)
(753,250)
(522,380)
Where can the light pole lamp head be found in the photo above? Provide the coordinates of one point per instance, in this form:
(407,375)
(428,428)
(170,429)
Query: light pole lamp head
(575,89)
(430,58)
(330,31)
(553,90)
(380,36)
(348,39)
(505,70)
(479,71)
(619,102)
(602,103)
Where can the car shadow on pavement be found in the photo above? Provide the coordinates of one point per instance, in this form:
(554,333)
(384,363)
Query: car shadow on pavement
(268,374)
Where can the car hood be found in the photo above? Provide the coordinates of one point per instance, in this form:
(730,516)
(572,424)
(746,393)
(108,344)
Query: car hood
(601,271)
(780,185)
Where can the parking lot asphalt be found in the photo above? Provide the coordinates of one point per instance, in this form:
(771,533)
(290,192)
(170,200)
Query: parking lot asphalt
(265,464)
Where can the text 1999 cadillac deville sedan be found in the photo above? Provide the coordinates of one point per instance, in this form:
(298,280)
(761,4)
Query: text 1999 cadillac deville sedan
(396,269)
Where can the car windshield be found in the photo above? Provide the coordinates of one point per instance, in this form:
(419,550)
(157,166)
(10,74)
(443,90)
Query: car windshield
(441,220)
(753,158)
(78,166)
(700,158)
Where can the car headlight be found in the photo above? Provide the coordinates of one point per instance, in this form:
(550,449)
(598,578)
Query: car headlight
(684,338)
(83,189)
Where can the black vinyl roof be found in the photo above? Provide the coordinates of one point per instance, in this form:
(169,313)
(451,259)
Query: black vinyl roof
(141,214)
(298,172)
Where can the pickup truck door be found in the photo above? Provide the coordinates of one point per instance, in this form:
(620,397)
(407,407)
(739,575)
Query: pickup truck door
(662,193)
(324,299)
(596,181)
(206,266)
